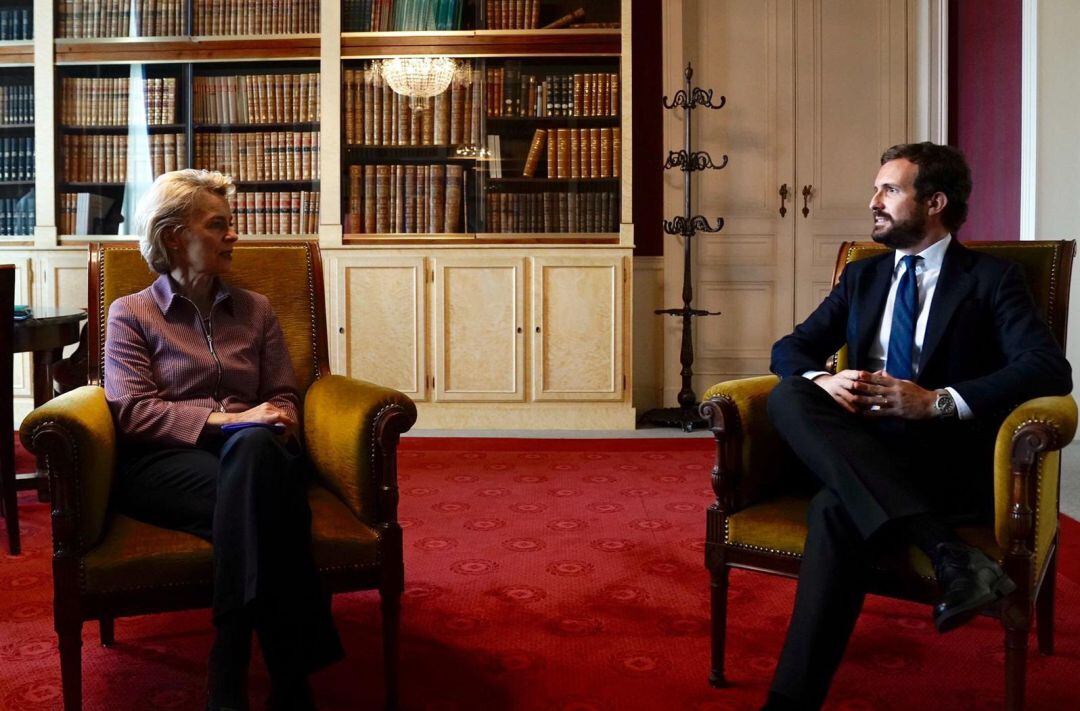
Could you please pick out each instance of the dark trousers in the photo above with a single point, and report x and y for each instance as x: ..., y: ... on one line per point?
x: 246, y: 496
x: 872, y: 473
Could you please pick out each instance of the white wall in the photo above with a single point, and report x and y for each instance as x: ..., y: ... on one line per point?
x: 1051, y: 154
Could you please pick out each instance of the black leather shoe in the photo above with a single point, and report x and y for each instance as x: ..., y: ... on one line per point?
x: 970, y: 581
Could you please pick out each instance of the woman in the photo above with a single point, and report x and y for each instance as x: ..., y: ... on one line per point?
x: 185, y: 358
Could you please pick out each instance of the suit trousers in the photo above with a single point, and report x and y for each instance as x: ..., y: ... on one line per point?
x: 872, y: 472
x: 247, y: 496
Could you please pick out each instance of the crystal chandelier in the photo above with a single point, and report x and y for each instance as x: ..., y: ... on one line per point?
x: 419, y: 77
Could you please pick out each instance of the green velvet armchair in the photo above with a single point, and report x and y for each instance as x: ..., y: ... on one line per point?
x: 107, y: 565
x: 758, y: 521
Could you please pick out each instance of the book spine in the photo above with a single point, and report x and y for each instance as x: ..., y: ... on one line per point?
x: 532, y: 160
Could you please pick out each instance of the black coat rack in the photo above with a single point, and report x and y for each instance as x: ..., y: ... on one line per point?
x: 687, y: 225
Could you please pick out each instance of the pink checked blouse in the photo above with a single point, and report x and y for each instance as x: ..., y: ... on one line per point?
x: 167, y: 369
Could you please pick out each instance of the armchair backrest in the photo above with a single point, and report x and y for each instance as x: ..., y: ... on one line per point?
x: 1047, y: 266
x: 287, y: 273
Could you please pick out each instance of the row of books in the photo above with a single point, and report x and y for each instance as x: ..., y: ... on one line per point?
x: 256, y: 98
x: 551, y: 212
x: 401, y: 15
x: 260, y: 155
x: 16, y: 104
x: 113, y: 18
x: 575, y: 152
x: 84, y: 213
x: 168, y: 152
x: 256, y: 17
x: 511, y: 93
x: 17, y: 158
x: 17, y: 215
x: 512, y: 14
x: 103, y: 101
x: 377, y: 116
x: 94, y: 158
x: 16, y: 23
x: 405, y: 199
x: 276, y: 213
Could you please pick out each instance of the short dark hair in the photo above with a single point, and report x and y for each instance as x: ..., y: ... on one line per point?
x: 942, y: 169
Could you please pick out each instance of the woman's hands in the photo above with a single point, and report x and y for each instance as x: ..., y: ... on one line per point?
x: 878, y: 394
x: 264, y: 413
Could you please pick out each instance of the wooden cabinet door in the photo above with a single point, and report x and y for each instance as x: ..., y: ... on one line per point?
x: 378, y: 331
x: 745, y: 52
x: 577, y: 328
x: 61, y: 280
x: 479, y: 328
x: 852, y: 104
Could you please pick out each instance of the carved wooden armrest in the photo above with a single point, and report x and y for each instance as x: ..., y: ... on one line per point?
x: 746, y: 445
x: 1026, y: 476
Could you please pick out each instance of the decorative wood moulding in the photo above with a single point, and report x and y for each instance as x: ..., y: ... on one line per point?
x: 16, y: 52
x: 482, y: 238
x: 186, y: 49
x: 482, y: 43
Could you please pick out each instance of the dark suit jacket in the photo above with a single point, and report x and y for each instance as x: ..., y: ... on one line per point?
x: 984, y: 336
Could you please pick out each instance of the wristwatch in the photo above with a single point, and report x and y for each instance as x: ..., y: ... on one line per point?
x: 944, y: 405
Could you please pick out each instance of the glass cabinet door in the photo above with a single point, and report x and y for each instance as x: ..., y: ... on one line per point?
x: 260, y: 125
x: 120, y: 126
x: 512, y: 146
x: 17, y: 216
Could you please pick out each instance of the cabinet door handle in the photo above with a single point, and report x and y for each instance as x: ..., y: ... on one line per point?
x: 807, y: 191
x: 519, y: 329
x: 538, y: 329
x: 783, y: 198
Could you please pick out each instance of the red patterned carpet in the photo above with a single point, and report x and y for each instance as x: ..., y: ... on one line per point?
x: 547, y: 575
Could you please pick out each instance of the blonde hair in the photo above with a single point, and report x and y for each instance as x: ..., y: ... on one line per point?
x: 167, y: 206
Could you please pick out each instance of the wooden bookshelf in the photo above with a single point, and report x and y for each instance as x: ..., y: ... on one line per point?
x: 533, y: 288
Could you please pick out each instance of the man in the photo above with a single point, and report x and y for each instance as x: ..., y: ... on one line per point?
x: 942, y: 343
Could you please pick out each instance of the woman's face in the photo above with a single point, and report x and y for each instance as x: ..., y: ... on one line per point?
x: 204, y: 246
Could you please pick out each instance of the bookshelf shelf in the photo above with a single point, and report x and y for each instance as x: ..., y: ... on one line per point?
x: 125, y: 128
x: 16, y: 183
x: 16, y: 126
x: 552, y: 181
x: 16, y: 52
x: 482, y: 43
x: 272, y: 183
x: 274, y: 126
x: 127, y: 50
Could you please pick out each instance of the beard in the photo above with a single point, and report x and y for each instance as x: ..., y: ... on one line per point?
x: 900, y: 235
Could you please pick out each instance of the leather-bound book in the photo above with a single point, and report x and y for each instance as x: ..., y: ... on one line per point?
x: 455, y: 184
x: 369, y: 107
x: 566, y: 19
x: 370, y: 205
x: 605, y: 152
x: 616, y: 151
x: 442, y: 118
x: 423, y: 174
x: 564, y: 160
x: 408, y: 222
x: 437, y: 198
x: 536, y: 148
x: 382, y: 199
x: 553, y: 153
x: 575, y: 153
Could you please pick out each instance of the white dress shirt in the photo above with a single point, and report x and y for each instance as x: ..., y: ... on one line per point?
x: 927, y: 271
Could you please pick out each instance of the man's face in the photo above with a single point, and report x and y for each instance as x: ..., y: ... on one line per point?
x: 899, y: 218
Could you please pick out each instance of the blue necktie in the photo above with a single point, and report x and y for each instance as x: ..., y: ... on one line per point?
x: 899, y: 362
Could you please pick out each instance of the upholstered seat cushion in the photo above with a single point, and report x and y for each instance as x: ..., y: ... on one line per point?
x: 134, y: 555
x: 779, y: 526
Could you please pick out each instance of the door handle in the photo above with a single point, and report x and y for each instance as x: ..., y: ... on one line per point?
x: 807, y: 191
x: 783, y: 198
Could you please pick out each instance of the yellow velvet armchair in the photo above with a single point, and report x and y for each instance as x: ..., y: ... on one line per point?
x: 758, y: 521
x: 107, y: 565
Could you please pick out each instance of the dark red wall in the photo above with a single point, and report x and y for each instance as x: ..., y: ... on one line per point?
x: 648, y: 116
x: 984, y: 111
